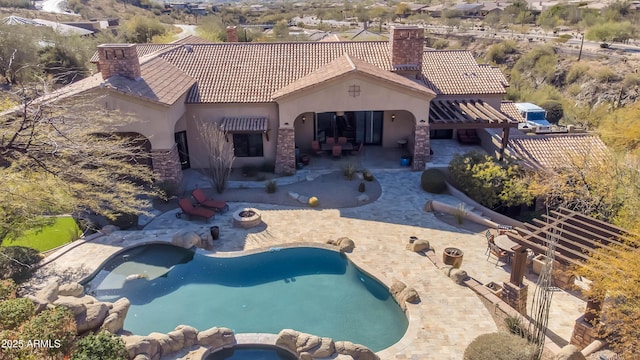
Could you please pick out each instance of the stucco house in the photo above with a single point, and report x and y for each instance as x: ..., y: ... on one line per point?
x: 272, y: 98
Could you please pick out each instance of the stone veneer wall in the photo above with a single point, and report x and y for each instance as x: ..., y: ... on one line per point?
x: 421, y: 147
x: 515, y: 296
x: 583, y: 333
x: 166, y: 164
x: 285, y: 152
x: 118, y: 59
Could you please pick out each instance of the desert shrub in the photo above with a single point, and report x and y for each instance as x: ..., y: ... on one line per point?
x: 17, y: 262
x: 554, y: 110
x: 631, y: 80
x: 433, y: 181
x: 168, y: 189
x: 514, y: 323
x: 497, y: 53
x: 56, y: 325
x: 440, y: 44
x: 605, y: 75
x: 125, y: 221
x: 349, y: 170
x: 15, y: 312
x: 101, y: 346
x: 271, y: 186
x: 367, y: 175
x: 577, y: 72
x: 7, y: 289
x: 499, y: 346
x: 492, y: 184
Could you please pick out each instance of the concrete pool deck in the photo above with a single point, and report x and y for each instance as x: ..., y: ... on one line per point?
x: 446, y: 320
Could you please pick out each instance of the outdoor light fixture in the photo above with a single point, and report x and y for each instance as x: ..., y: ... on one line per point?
x: 304, y: 118
x: 286, y: 123
x: 393, y: 117
x: 422, y: 121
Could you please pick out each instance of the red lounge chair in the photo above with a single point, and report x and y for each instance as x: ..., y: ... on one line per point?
x: 201, y: 198
x: 188, y: 208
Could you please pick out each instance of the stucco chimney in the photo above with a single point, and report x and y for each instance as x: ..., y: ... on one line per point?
x: 118, y: 59
x: 232, y: 34
x: 407, y: 47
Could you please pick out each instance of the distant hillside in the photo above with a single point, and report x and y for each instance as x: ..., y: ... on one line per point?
x: 88, y: 9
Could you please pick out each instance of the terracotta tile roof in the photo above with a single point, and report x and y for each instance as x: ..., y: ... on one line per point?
x: 245, y: 124
x: 555, y: 151
x: 447, y: 114
x: 457, y: 72
x: 161, y: 82
x: 509, y: 109
x: 191, y: 39
x: 251, y: 72
x: 342, y: 66
x: 142, y: 50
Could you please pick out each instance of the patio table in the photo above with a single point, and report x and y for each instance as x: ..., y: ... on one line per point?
x: 329, y: 147
x: 504, y: 243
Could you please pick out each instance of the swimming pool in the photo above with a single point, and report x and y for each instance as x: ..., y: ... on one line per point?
x: 253, y: 352
x: 312, y: 290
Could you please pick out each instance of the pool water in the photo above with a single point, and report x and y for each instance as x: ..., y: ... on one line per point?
x: 311, y: 290
x: 251, y: 353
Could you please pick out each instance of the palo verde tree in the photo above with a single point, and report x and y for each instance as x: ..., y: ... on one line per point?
x: 63, y: 155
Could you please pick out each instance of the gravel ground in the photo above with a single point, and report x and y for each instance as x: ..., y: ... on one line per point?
x: 332, y: 190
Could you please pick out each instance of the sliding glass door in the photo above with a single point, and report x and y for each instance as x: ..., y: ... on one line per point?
x: 356, y: 126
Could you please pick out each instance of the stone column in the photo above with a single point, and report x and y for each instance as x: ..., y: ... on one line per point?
x: 421, y: 147
x: 515, y: 296
x: 285, y: 152
x: 583, y: 333
x: 166, y: 164
x: 562, y: 276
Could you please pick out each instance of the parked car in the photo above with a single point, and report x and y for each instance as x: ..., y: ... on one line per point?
x: 534, y: 116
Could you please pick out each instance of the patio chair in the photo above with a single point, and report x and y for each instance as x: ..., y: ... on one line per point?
x: 202, y: 200
x: 489, y: 237
x: 315, y: 146
x: 188, y: 208
x: 331, y: 141
x: 337, y: 151
x: 342, y: 140
x: 499, y: 254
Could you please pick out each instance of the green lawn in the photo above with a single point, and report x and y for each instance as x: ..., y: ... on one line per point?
x: 49, y: 237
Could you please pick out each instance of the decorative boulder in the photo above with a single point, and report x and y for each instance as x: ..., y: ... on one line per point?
x: 458, y: 275
x: 345, y: 244
x: 326, y: 348
x: 49, y: 293
x: 114, y: 322
x: 164, y: 343
x: 190, y: 334
x: 76, y: 305
x: 419, y: 246
x: 305, y: 356
x: 306, y: 342
x: 357, y: 351
x: 446, y: 270
x: 288, y: 339
x: 216, y: 337
x: 72, y: 289
x: 186, y: 240
x: 142, y: 357
x: 569, y: 352
x: 396, y: 288
x: 92, y: 318
x: 410, y: 295
x: 39, y: 304
x: 176, y: 342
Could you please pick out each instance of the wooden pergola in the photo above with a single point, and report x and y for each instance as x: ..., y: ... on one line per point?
x: 577, y: 235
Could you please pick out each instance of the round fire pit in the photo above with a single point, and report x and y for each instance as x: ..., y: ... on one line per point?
x: 246, y: 218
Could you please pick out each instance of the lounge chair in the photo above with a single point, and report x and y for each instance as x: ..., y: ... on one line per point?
x: 188, y: 208
x: 499, y: 254
x: 201, y: 199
